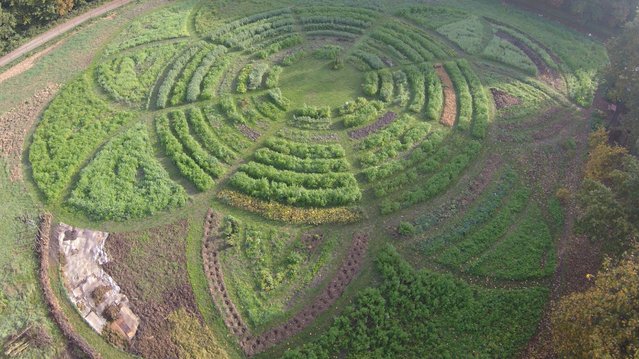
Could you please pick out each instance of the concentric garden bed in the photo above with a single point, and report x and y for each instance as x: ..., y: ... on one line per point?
x: 337, y: 168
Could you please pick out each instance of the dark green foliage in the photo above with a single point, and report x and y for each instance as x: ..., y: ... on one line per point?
x: 172, y: 75
x: 74, y: 125
x: 174, y: 149
x: 229, y: 109
x: 425, y: 314
x: 208, y: 139
x: 125, y: 181
x: 203, y: 70
x: 480, y: 101
x: 360, y: 112
x: 464, y: 98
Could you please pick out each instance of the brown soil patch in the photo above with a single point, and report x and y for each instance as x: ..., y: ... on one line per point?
x: 250, y: 344
x: 381, y: 122
x: 450, y: 97
x: 46, y: 251
x: 27, y: 63
x: 248, y: 132
x: 544, y: 72
x: 16, y: 123
x: 504, y: 99
x: 150, y: 267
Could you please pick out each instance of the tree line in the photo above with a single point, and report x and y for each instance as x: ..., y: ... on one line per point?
x: 22, y: 18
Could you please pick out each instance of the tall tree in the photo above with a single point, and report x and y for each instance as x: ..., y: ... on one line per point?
x: 603, y: 321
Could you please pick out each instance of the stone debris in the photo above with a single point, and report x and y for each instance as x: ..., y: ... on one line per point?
x: 89, y: 287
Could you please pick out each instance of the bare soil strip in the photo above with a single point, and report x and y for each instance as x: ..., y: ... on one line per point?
x: 450, y: 97
x: 545, y: 73
x: 15, y: 124
x: 504, y: 99
x: 250, y: 344
x: 381, y: 122
x: 44, y: 251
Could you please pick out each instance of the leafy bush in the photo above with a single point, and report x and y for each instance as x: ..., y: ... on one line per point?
x: 421, y: 303
x: 480, y: 100
x: 307, y: 165
x: 208, y: 139
x: 280, y: 212
x: 185, y: 164
x: 203, y: 70
x: 125, y: 181
x: 278, y: 99
x: 359, y: 112
x: 371, y: 83
x: 172, y: 75
x: 273, y: 77
x: 74, y: 124
x: 229, y: 109
x: 386, y: 85
x: 208, y: 163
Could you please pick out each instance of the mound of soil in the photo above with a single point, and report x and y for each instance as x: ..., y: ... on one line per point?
x: 150, y: 267
x: 504, y: 99
x: 545, y: 73
x: 381, y: 122
x: 450, y: 97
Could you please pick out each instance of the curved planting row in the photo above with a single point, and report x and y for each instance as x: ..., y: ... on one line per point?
x: 381, y: 122
x: 390, y: 143
x: 328, y: 21
x: 213, y: 271
x: 250, y: 343
x: 298, y: 174
x: 187, y: 153
x: 347, y: 271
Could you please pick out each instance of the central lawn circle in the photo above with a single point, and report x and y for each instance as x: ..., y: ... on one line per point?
x: 314, y: 83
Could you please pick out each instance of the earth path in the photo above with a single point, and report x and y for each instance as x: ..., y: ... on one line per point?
x: 59, y: 30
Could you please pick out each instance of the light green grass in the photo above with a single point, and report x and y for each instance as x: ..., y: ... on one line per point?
x: 314, y: 83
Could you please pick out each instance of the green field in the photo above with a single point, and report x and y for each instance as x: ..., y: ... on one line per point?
x: 357, y: 159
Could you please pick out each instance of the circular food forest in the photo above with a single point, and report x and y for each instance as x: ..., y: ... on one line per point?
x: 323, y: 180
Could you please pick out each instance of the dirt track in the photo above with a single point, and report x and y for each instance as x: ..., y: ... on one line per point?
x: 59, y: 30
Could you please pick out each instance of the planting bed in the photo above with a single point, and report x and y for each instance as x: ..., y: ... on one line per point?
x: 287, y: 179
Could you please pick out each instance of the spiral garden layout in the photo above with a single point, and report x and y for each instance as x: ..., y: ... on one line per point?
x: 329, y: 180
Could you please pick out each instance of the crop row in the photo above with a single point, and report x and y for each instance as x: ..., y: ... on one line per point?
x: 245, y: 37
x: 420, y: 40
x: 480, y: 100
x: 275, y: 95
x: 247, y: 21
x: 365, y: 16
x: 202, y: 71
x: 437, y: 183
x: 402, y: 93
x: 179, y: 92
x: 305, y: 150
x: 413, y: 170
x: 307, y: 180
x: 396, y: 138
x: 296, y: 164
x: 172, y: 75
x: 381, y: 122
x: 421, y: 154
x: 294, y: 194
x: 525, y: 253
x: 464, y: 99
x: 280, y: 212
x: 476, y: 217
x: 267, y: 108
x: 368, y: 59
x: 127, y: 78
x: 228, y: 135
x: 72, y: 126
x: 209, y: 140
x: 503, y: 51
x: 278, y: 44
x: 229, y: 109
x: 479, y: 240
x: 187, y: 166
x: 331, y: 33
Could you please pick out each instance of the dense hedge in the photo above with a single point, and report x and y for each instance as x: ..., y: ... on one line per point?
x: 208, y: 139
x: 288, y: 162
x: 480, y: 100
x: 125, y: 181
x: 424, y: 314
x: 72, y: 127
x: 185, y: 164
x: 305, y: 150
x: 172, y: 75
x: 203, y: 70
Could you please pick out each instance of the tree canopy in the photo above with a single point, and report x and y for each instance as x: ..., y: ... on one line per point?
x: 603, y: 321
